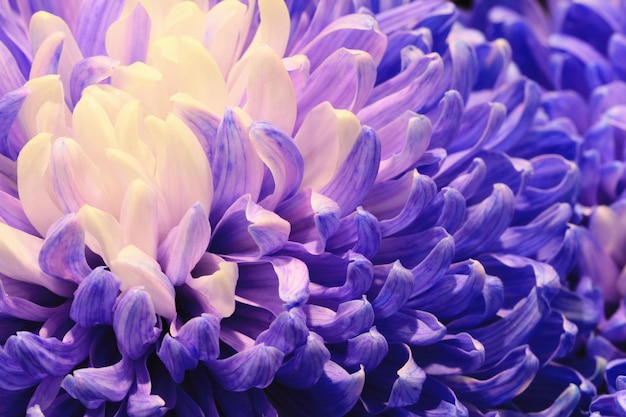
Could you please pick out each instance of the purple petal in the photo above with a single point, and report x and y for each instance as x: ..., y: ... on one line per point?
x: 287, y: 332
x: 457, y: 354
x: 22, y: 308
x: 355, y: 31
x: 63, y: 252
x: 10, y: 140
x: 397, y: 43
x: 313, y: 218
x: 201, y: 336
x: 12, y: 213
x: 48, y: 356
x: 358, y: 232
x: 494, y: 59
x: 281, y: 155
x: 414, y: 96
x: 10, y: 75
x: 554, y: 338
x: 499, y: 384
x: 414, y: 327
x: 357, y: 174
x: 350, y: 319
x: 418, y: 135
x: 306, y: 366
x: 94, y: 386
x: 395, y: 291
x: 352, y: 75
x: 176, y: 357
x: 89, y: 71
x: 237, y: 169
x: 459, y: 287
x: 448, y: 120
x: 254, y: 368
x: 421, y: 195
x: 95, y: 18
x: 95, y: 298
x: 185, y: 244
x: 353, y: 281
x: 293, y: 280
x: 333, y: 395
x: 453, y: 211
x: 485, y: 222
x: 45, y: 394
x: 247, y: 228
x: 14, y: 377
x: 518, y: 326
x: 367, y: 350
x: 396, y: 383
x: 133, y: 321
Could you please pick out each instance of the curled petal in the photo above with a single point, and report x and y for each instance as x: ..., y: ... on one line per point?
x: 306, y: 366
x: 94, y: 386
x: 350, y: 319
x: 413, y: 327
x: 87, y: 72
x: 254, y: 368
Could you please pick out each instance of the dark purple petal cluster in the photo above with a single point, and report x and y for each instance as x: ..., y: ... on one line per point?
x: 455, y: 264
x: 574, y: 47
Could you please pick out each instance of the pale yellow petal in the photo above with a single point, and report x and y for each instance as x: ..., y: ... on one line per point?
x: 218, y: 288
x: 139, y: 218
x: 34, y: 185
x: 44, y: 109
x: 103, y: 232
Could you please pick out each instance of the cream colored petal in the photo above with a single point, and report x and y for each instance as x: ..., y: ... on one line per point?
x: 127, y: 131
x: 44, y: 109
x: 274, y: 27
x: 326, y: 128
x: 103, y: 234
x: 91, y: 126
x: 134, y: 268
x: 218, y: 288
x: 34, y: 185
x: 44, y: 24
x: 139, y: 218
x: 145, y: 83
x: 76, y: 180
x: 19, y: 254
x: 189, y: 68
x: 182, y: 169
x: 270, y: 94
x: 45, y: 54
x: 184, y: 19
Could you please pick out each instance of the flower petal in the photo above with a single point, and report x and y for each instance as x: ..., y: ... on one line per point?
x: 306, y: 366
x: 254, y: 368
x: 133, y: 321
x: 95, y: 298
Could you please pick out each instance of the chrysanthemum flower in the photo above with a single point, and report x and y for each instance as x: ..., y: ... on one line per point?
x: 279, y: 209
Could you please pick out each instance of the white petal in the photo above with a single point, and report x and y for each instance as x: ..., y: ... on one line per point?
x: 270, y: 94
x: 274, y: 27
x: 139, y: 219
x: 222, y: 26
x: 19, y: 259
x: 182, y: 169
x: 44, y: 109
x: 34, y: 185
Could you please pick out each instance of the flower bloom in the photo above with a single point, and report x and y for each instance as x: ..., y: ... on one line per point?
x: 321, y: 208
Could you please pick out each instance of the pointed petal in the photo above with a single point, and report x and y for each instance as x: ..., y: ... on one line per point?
x: 237, y: 169
x: 357, y: 174
x: 395, y: 291
x: 46, y: 59
x: 367, y: 349
x: 282, y: 157
x: 350, y: 319
x: 89, y: 71
x: 11, y: 139
x: 414, y: 327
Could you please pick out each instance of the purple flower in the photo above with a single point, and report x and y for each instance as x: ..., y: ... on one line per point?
x: 302, y: 208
